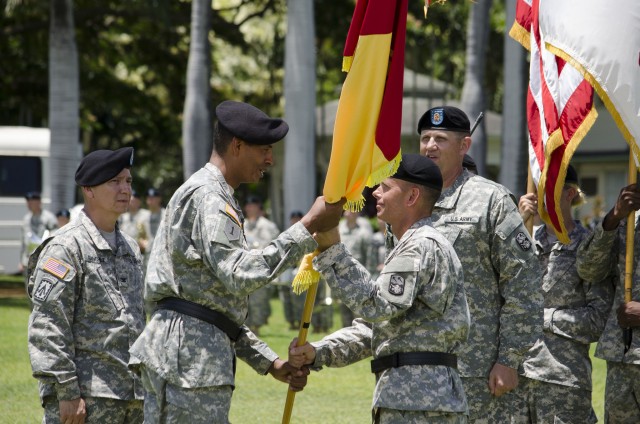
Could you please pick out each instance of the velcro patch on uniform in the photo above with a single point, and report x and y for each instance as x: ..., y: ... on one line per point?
x: 523, y: 241
x: 232, y: 213
x: 396, y: 285
x: 56, y: 268
x: 232, y: 230
x: 44, y: 288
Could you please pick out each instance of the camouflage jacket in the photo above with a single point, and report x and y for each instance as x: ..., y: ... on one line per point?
x: 602, y: 254
x: 87, y: 312
x: 416, y: 304
x: 575, y: 311
x: 200, y: 254
x: 480, y: 219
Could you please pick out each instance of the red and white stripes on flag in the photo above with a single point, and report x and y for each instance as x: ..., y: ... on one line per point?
x: 560, y: 111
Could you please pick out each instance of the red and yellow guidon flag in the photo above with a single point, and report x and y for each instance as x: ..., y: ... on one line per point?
x: 366, y: 136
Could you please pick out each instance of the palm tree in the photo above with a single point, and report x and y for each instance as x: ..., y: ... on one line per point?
x: 300, y: 103
x: 196, y: 124
x: 64, y: 93
x: 473, y: 99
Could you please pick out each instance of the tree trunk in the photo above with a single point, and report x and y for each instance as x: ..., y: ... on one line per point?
x: 64, y: 92
x: 513, y: 160
x: 300, y: 103
x: 196, y: 125
x: 473, y: 99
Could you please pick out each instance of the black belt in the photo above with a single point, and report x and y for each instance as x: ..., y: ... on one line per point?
x: 202, y: 313
x: 400, y: 359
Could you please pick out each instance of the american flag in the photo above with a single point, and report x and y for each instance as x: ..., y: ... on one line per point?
x: 560, y: 111
x: 56, y: 268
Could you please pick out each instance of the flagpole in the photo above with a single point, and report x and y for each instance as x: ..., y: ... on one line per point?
x: 305, y: 322
x: 531, y: 188
x: 628, y: 269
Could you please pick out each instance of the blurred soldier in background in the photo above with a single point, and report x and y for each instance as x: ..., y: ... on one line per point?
x: 355, y: 233
x: 259, y: 232
x: 150, y: 222
x: 37, y: 225
x: 131, y: 221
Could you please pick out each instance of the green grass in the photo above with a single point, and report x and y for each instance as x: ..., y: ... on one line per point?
x: 331, y: 396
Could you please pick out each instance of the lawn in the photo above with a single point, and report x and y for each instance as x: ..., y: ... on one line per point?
x: 331, y: 396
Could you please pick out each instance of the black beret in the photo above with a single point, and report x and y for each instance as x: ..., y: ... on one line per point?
x: 63, y: 212
x: 572, y: 176
x: 134, y: 193
x: 444, y: 118
x: 153, y: 192
x: 296, y: 214
x: 419, y: 169
x: 100, y: 166
x: 250, y: 124
x: 31, y: 195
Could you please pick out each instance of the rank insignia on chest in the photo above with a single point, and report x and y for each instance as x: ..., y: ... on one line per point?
x: 56, y: 268
x: 523, y: 241
x: 396, y: 285
x: 44, y: 288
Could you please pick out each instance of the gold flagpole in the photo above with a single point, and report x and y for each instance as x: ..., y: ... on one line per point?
x: 628, y: 269
x: 531, y: 188
x: 305, y: 322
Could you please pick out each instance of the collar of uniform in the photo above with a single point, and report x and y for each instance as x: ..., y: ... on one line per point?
x: 449, y: 196
x: 575, y: 237
x: 94, y: 233
x: 226, y: 188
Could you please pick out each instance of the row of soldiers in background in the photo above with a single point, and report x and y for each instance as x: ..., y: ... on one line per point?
x: 142, y: 224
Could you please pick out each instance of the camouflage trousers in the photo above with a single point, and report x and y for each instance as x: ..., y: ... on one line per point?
x: 622, y: 394
x: 485, y: 408
x: 395, y: 416
x: 259, y: 307
x: 542, y: 402
x: 165, y: 403
x: 99, y: 411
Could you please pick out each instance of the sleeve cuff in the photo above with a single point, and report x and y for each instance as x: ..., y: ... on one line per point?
x: 263, y: 364
x: 323, y: 353
x: 511, y: 360
x: 329, y: 257
x: 68, y: 391
x: 301, y: 236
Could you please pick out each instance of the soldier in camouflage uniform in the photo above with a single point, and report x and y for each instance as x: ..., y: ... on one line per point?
x: 601, y: 253
x: 481, y: 220
x: 415, y: 312
x: 87, y: 304
x: 556, y: 387
x: 355, y: 234
x: 201, y: 271
x: 259, y: 232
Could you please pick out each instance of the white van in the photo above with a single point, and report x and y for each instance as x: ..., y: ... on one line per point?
x: 24, y: 166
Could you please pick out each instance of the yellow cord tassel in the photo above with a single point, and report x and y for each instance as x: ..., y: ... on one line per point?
x: 306, y: 275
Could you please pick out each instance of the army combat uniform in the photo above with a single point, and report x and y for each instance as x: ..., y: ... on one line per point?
x: 480, y: 219
x: 601, y: 253
x: 416, y: 305
x: 200, y: 255
x: 557, y: 370
x: 87, y: 312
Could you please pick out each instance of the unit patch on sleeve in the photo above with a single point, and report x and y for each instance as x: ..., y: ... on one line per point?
x: 56, y: 268
x: 232, y: 230
x: 523, y: 241
x: 396, y: 285
x: 44, y: 288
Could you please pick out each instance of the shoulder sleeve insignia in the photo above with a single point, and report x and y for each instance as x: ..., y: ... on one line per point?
x: 396, y: 285
x: 523, y: 241
x: 232, y: 230
x: 56, y: 268
x: 44, y: 289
